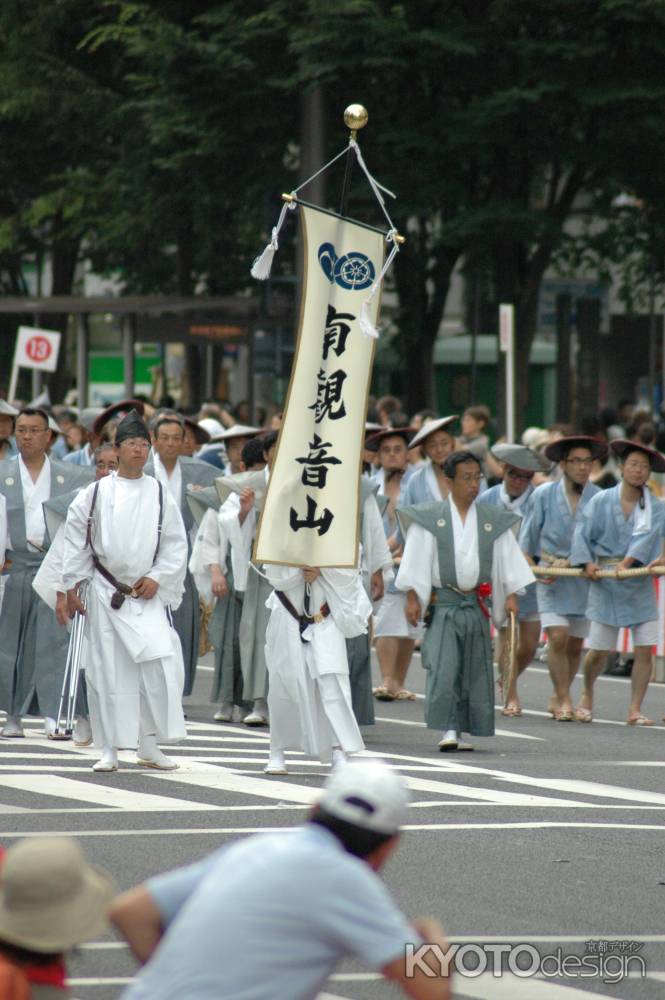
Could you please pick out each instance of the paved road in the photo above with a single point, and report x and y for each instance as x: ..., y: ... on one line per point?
x: 549, y: 835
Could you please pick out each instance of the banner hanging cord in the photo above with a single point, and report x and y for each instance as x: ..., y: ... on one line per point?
x: 263, y: 263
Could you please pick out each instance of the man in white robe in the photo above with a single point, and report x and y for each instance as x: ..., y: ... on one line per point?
x: 132, y: 549
x: 312, y: 612
x: 452, y: 549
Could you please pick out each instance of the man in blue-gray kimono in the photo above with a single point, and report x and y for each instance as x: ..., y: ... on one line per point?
x: 454, y: 550
x: 33, y: 646
x: 519, y: 465
x: 621, y: 528
x: 546, y: 537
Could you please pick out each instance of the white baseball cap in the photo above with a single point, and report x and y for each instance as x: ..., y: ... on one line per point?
x: 368, y: 794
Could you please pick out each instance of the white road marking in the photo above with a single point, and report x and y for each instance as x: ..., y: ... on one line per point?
x: 487, y: 987
x: 222, y: 779
x: 222, y: 831
x: 55, y: 786
x: 498, y: 732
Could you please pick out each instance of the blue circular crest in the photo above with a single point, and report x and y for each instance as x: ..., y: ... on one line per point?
x: 353, y: 271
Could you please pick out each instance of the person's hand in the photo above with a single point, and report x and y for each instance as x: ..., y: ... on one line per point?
x: 512, y: 605
x: 146, y: 588
x: 220, y: 587
x: 377, y: 586
x: 412, y: 608
x: 626, y: 563
x: 591, y: 570
x: 74, y: 602
x: 61, y: 608
x: 246, y: 500
x: 310, y: 573
x: 194, y: 487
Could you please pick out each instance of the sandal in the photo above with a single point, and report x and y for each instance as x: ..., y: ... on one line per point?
x: 383, y: 694
x: 404, y: 695
x: 583, y: 714
x: 563, y: 715
x: 640, y: 720
x: 511, y: 711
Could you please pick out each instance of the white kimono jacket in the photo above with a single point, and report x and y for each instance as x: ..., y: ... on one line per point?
x: 135, y: 670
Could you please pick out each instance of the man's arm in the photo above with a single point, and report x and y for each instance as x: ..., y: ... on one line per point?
x: 409, y: 974
x: 135, y: 915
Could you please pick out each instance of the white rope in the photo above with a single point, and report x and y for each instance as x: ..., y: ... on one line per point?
x: 263, y: 263
x: 375, y: 186
x: 365, y: 320
x: 320, y: 170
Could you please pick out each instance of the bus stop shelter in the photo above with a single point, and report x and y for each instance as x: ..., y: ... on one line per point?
x: 207, y: 322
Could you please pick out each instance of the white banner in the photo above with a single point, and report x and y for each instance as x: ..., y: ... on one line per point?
x: 37, y: 348
x: 310, y: 517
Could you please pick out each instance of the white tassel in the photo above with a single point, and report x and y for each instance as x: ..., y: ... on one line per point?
x: 365, y: 322
x: 263, y: 263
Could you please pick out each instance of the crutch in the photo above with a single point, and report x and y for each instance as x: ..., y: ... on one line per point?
x: 70, y: 682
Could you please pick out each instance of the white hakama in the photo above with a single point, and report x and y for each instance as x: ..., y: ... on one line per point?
x: 134, y: 668
x: 309, y: 696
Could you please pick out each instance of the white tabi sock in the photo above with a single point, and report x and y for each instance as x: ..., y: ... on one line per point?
x: 108, y: 761
x: 450, y: 734
x: 149, y: 753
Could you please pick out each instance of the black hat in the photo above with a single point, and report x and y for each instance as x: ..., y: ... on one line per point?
x: 557, y: 450
x: 131, y: 426
x: 373, y: 443
x: 200, y: 433
x: 622, y: 447
x: 117, y: 410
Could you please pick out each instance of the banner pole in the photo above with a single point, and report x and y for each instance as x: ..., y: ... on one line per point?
x: 355, y: 118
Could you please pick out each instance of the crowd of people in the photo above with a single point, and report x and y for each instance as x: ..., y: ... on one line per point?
x: 145, y: 528
x: 139, y: 523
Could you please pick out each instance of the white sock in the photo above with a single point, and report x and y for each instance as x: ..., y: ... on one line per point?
x: 108, y: 759
x: 450, y: 734
x: 260, y: 706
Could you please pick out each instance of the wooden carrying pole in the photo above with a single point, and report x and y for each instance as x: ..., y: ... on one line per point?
x: 602, y: 574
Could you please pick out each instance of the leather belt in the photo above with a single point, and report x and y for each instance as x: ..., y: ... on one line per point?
x: 122, y: 590
x: 304, y: 621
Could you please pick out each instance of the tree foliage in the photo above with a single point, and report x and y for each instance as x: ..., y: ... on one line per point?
x: 161, y: 128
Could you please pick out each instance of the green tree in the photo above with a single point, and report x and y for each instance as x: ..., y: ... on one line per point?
x: 492, y: 119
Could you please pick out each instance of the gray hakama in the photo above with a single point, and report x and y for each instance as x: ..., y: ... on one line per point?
x: 253, y: 625
x: 33, y: 646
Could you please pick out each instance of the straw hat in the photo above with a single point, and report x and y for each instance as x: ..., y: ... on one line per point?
x: 373, y: 443
x: 622, y: 447
x: 520, y: 457
x: 440, y: 424
x: 556, y: 450
x: 50, y: 897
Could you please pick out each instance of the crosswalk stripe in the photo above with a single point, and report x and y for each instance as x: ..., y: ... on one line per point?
x: 498, y: 732
x: 55, y: 786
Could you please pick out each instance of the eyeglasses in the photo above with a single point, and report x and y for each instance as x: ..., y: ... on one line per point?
x: 517, y: 474
x: 580, y: 463
x: 29, y: 431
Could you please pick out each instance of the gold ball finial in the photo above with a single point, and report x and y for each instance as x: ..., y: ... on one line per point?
x: 355, y: 117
